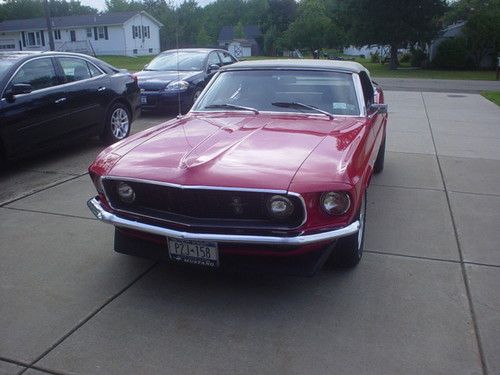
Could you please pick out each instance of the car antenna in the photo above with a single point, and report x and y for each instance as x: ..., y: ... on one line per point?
x: 179, y: 114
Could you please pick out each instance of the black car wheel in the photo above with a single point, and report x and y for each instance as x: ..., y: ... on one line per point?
x: 188, y: 105
x: 379, y: 162
x: 117, y: 126
x: 349, y: 250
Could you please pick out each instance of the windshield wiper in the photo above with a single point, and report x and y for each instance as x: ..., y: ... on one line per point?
x: 297, y: 105
x: 233, y: 106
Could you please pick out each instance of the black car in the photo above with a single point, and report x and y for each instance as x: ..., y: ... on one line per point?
x: 50, y: 97
x: 176, y: 77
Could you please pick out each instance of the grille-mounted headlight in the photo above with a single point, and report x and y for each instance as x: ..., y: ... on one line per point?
x: 335, y: 202
x: 125, y: 192
x: 280, y: 207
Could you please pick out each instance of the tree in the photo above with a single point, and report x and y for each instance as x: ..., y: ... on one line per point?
x: 312, y: 28
x: 239, y: 32
x: 397, y: 23
x: 482, y: 33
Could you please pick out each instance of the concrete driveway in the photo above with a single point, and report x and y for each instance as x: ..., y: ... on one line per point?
x: 424, y: 300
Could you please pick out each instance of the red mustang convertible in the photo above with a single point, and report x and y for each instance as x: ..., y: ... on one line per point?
x: 268, y: 171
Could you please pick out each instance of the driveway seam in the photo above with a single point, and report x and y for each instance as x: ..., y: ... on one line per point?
x: 468, y: 292
x: 46, y: 187
x: 400, y: 255
x: 85, y: 320
x: 48, y: 213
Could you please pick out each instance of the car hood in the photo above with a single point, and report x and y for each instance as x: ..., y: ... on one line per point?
x: 159, y: 79
x: 242, y: 151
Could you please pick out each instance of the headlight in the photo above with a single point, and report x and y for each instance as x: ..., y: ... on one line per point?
x: 177, y: 86
x: 279, y: 207
x: 335, y: 202
x: 125, y: 192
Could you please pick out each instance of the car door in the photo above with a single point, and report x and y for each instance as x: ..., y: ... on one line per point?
x: 375, y: 118
x: 226, y: 58
x: 213, y: 59
x: 87, y: 92
x: 33, y: 119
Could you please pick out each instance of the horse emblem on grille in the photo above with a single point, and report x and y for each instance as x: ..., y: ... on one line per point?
x: 237, y: 205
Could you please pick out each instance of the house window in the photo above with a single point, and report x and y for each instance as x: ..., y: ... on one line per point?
x: 135, y: 51
x: 136, y: 31
x: 145, y: 32
x: 100, y: 32
x: 89, y: 32
x: 7, y: 46
x: 150, y: 50
x: 33, y: 39
x: 149, y: 34
x: 57, y: 34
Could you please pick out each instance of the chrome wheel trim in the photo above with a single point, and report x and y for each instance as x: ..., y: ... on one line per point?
x: 119, y: 123
x: 361, y: 230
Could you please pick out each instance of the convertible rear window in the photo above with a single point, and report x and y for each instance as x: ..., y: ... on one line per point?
x: 281, y: 90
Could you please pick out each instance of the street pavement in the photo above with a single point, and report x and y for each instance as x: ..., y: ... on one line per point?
x: 424, y: 299
x: 438, y: 85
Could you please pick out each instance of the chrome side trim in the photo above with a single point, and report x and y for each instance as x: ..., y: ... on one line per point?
x: 107, y: 217
x: 359, y: 94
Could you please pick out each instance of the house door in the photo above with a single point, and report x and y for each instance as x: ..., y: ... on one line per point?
x: 73, y: 35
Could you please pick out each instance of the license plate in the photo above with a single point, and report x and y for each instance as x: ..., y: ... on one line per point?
x: 144, y: 100
x: 194, y: 252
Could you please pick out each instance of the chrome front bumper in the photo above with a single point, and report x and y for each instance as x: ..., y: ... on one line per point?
x: 108, y: 217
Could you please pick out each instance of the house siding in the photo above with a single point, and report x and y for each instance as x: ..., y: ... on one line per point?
x: 142, y: 45
x: 119, y: 41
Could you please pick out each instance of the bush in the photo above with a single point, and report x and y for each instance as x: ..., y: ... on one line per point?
x: 417, y: 58
x: 375, y: 57
x: 405, y: 58
x: 453, y: 54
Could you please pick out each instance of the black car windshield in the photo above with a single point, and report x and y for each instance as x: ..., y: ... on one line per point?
x: 5, y: 64
x: 306, y: 91
x: 182, y: 60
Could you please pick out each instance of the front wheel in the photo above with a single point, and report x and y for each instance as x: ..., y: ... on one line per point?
x: 188, y: 105
x: 117, y: 124
x: 349, y: 250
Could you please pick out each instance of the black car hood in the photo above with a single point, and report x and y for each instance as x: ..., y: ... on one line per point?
x: 159, y: 79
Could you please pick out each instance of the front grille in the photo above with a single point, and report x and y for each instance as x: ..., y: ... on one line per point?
x: 203, y: 207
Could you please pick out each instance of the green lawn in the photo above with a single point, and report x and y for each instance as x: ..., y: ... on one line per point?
x: 494, y: 96
x: 133, y: 64
x: 377, y: 70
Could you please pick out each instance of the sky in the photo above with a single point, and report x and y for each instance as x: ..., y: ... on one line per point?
x: 101, y: 5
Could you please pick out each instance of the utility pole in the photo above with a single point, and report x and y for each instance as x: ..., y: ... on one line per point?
x: 46, y: 10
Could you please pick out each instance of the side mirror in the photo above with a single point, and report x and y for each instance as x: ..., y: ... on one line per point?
x: 380, y: 108
x: 17, y: 89
x: 212, y: 68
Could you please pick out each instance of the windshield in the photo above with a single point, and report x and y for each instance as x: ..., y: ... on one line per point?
x: 5, y: 65
x: 191, y: 61
x: 304, y: 91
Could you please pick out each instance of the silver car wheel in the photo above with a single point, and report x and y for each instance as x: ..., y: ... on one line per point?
x: 119, y: 123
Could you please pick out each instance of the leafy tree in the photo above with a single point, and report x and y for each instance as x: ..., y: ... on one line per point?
x: 123, y: 5
x: 312, y: 28
x: 482, y: 33
x: 239, y: 33
x: 397, y: 23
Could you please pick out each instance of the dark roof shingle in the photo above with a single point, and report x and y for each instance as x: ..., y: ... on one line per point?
x: 117, y: 18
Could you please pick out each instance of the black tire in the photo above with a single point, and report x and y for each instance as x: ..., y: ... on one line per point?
x: 187, y: 106
x: 379, y: 162
x: 349, y: 250
x: 117, y: 124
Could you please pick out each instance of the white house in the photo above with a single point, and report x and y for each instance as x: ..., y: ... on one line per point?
x: 122, y: 33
